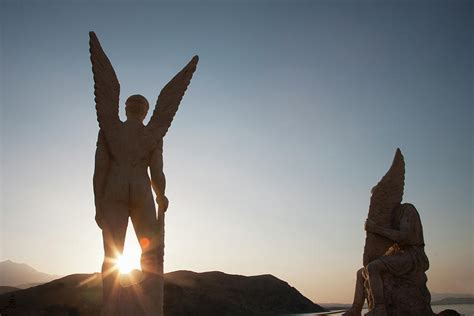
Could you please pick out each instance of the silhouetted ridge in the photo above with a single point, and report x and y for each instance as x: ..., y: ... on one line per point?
x: 186, y: 293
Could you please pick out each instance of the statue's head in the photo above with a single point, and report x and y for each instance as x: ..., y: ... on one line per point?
x: 136, y: 107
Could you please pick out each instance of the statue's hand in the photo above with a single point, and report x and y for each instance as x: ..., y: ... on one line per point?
x: 162, y: 203
x: 370, y: 226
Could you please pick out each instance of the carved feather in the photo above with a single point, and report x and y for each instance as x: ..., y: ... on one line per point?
x: 169, y: 100
x: 106, y: 87
x: 386, y: 196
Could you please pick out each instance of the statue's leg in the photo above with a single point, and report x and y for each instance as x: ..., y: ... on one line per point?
x: 113, y: 233
x: 375, y: 269
x: 397, y: 265
x: 145, y: 224
x: 359, y: 296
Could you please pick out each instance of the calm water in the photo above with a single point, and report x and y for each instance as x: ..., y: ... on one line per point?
x: 463, y: 309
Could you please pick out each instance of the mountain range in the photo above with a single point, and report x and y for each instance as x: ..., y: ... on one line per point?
x: 21, y: 275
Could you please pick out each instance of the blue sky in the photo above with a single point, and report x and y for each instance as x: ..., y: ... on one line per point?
x: 294, y: 113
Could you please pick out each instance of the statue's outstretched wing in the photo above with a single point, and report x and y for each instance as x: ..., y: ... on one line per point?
x: 106, y: 88
x: 169, y: 99
x: 386, y: 196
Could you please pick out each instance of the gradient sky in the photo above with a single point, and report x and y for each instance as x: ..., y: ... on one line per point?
x: 294, y: 114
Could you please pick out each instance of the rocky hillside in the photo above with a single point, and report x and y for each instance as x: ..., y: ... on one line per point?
x: 186, y: 293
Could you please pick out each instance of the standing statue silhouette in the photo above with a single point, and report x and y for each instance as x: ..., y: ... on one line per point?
x: 122, y: 187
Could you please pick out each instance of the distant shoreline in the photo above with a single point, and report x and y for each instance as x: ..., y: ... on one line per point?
x: 444, y: 301
x: 454, y: 301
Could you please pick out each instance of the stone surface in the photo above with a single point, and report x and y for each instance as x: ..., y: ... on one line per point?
x: 393, y: 279
x: 125, y: 152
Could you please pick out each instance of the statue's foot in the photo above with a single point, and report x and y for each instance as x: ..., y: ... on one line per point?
x: 378, y: 310
x: 353, y: 311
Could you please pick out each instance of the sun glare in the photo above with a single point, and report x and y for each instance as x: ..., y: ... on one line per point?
x: 124, y: 264
x: 130, y: 259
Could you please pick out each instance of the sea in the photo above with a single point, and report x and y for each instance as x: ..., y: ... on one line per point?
x: 463, y: 309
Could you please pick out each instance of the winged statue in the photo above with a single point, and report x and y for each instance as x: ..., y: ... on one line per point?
x: 122, y: 185
x: 393, y: 278
x: 107, y: 93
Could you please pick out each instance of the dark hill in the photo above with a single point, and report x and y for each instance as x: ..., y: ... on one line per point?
x: 186, y: 293
x: 7, y: 289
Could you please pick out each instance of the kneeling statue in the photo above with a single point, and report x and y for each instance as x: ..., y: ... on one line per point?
x: 393, y: 278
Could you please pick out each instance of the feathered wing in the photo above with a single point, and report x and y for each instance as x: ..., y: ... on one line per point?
x: 386, y: 196
x: 169, y: 99
x: 388, y: 193
x: 106, y: 88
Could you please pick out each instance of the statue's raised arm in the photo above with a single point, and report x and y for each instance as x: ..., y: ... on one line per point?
x: 169, y: 100
x: 106, y: 88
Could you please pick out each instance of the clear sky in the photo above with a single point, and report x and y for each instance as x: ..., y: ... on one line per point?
x: 294, y: 114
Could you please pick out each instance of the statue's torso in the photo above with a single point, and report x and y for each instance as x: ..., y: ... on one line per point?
x: 407, y: 217
x: 130, y: 155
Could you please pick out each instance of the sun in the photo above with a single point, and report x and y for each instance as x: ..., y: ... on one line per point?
x: 125, y: 264
x: 130, y: 258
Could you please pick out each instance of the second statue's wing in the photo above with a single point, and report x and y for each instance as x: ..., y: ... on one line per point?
x: 106, y: 89
x: 386, y: 196
x: 388, y: 193
x: 169, y: 99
